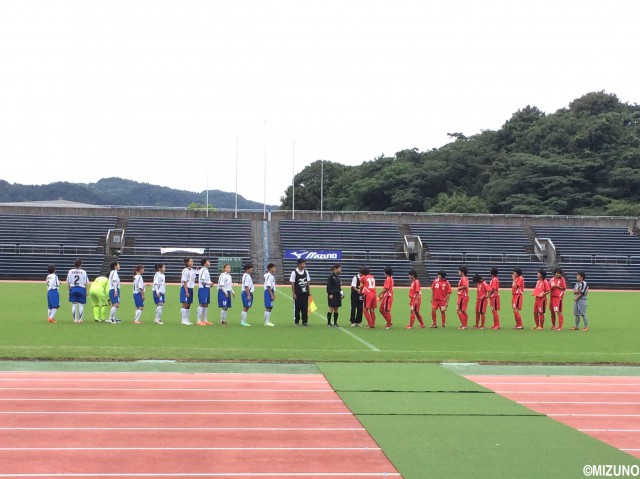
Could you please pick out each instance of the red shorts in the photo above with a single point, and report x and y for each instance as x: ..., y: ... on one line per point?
x: 494, y: 302
x: 540, y: 305
x: 462, y: 303
x: 385, y: 303
x: 556, y: 304
x: 516, y: 302
x: 440, y: 304
x: 415, y: 303
x: 370, y: 300
x: 481, y: 305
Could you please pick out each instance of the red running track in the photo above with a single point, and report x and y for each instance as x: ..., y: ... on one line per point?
x: 607, y: 408
x: 181, y: 425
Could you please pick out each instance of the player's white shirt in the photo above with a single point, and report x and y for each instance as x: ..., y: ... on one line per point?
x: 159, y: 284
x: 114, y: 280
x: 247, y: 282
x: 355, y: 282
x: 52, y: 282
x: 77, y: 277
x: 138, y: 284
x: 225, y: 282
x: 269, y: 281
x: 292, y: 278
x: 189, y: 277
x: 204, y: 278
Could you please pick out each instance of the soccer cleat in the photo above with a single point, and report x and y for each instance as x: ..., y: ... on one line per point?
x: 223, y: 323
x: 387, y: 327
x: 244, y: 324
x: 585, y: 329
x: 186, y: 323
x: 408, y: 327
x: 201, y: 323
x: 336, y: 325
x: 462, y: 327
x: 533, y: 328
x: 353, y: 325
x: 481, y: 327
x: 51, y: 320
x: 159, y: 322
x: 208, y: 323
x: 269, y: 323
x: 575, y: 328
x: 553, y: 328
x: 558, y: 329
x: 137, y: 321
x: 422, y: 326
x: 476, y: 327
x: 433, y: 326
x: 329, y: 325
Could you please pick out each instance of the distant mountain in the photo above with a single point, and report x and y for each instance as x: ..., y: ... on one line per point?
x: 120, y: 192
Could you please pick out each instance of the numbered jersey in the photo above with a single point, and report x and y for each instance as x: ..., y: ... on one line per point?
x: 368, y: 284
x: 77, y: 278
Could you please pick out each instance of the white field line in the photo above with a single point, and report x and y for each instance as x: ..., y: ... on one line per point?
x: 172, y: 389
x: 354, y: 429
x: 344, y: 330
x: 50, y: 449
x: 179, y: 400
x: 214, y: 474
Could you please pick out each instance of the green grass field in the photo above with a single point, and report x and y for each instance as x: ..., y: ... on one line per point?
x: 613, y: 337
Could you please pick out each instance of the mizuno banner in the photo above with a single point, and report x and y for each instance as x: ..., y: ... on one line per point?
x: 312, y: 254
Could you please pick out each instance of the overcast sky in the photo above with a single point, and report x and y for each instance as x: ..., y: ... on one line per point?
x: 154, y: 91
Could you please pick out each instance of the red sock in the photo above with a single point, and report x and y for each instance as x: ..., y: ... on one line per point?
x: 444, y: 318
x: 367, y: 316
x: 433, y: 317
x: 465, y: 318
x: 536, y: 318
x: 518, y: 319
x: 542, y: 320
x: 373, y: 319
x: 387, y: 317
x: 553, y: 319
x: 496, y: 319
x: 560, y: 320
x: 482, y: 319
x: 419, y: 316
x: 477, y: 319
x: 461, y: 316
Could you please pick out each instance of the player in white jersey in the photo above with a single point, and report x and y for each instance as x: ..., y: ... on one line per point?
x: 247, y: 293
x: 138, y: 291
x: 225, y: 292
x: 188, y: 282
x: 53, y: 295
x: 159, y: 290
x: 78, y: 281
x: 269, y: 293
x: 204, y: 293
x: 114, y: 291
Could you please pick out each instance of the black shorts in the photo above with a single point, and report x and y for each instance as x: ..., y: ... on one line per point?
x: 336, y: 302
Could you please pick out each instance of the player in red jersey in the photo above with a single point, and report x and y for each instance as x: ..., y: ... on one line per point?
x: 370, y: 300
x: 415, y: 299
x: 517, y: 292
x: 558, y: 287
x: 440, y: 292
x: 463, y: 297
x: 482, y: 299
x: 540, y: 292
x: 494, y: 298
x: 386, y: 297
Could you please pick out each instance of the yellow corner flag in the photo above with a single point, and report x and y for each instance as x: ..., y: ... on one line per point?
x: 312, y: 304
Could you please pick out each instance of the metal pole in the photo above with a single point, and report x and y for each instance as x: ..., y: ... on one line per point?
x: 321, y: 186
x: 207, y: 214
x: 293, y: 182
x: 236, y: 208
x: 264, y: 212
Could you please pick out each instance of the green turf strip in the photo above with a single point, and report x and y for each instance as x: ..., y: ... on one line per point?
x: 394, y: 377
x: 526, y: 447
x: 154, y: 366
x: 541, y: 370
x: 432, y: 403
x: 460, y: 433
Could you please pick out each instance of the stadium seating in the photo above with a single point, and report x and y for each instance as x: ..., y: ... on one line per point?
x: 28, y: 243
x: 219, y: 238
x: 610, y: 257
x: 374, y: 244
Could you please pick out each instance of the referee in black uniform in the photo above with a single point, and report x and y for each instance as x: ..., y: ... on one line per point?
x: 334, y: 294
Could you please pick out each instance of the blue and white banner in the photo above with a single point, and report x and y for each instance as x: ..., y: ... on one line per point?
x: 312, y: 254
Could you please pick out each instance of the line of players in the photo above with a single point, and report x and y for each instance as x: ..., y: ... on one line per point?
x: 105, y: 291
x: 488, y: 296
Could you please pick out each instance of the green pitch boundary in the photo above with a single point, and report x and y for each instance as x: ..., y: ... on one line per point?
x: 470, y: 369
x: 431, y: 422
x: 159, y: 366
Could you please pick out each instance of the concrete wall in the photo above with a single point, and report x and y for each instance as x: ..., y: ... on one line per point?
x: 356, y: 216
